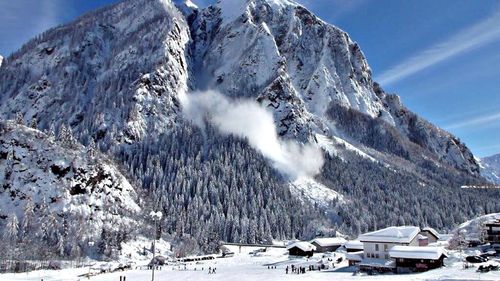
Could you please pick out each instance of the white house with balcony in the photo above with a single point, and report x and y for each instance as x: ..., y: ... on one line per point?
x: 377, y: 244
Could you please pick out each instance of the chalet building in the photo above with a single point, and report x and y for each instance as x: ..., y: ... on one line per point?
x: 330, y: 244
x: 376, y: 244
x: 301, y: 248
x: 353, y: 246
x: 493, y: 232
x: 431, y: 234
x: 354, y: 249
x: 417, y: 259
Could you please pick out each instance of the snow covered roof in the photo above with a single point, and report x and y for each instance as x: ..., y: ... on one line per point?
x: 432, y: 231
x: 329, y: 241
x: 413, y: 252
x: 393, y: 234
x: 304, y: 246
x: 354, y: 244
x: 355, y: 256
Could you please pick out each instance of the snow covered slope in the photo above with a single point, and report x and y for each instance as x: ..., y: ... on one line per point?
x: 113, y: 74
x: 47, y: 182
x: 490, y: 168
x: 1, y: 60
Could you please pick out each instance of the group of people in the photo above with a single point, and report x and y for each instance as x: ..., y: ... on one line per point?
x: 271, y: 267
x: 212, y: 270
x: 296, y: 270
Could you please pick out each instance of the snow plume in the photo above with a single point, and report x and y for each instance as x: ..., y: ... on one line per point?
x: 249, y: 120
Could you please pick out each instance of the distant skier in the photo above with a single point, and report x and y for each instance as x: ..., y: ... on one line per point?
x: 286, y: 270
x: 210, y: 270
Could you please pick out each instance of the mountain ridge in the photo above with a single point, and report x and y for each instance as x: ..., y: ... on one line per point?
x: 490, y: 168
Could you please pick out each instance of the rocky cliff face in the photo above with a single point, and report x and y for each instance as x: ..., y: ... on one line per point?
x: 306, y: 70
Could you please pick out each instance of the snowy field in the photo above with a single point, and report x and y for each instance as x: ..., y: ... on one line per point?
x: 244, y: 266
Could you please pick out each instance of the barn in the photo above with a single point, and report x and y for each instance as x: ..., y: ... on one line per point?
x: 328, y: 244
x: 301, y: 248
x: 417, y: 259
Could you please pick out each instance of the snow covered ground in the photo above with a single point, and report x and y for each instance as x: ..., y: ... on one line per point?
x: 245, y: 266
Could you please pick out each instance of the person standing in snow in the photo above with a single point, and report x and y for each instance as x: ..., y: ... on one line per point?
x: 286, y: 270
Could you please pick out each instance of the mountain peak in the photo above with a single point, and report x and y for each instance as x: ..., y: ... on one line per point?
x: 231, y: 9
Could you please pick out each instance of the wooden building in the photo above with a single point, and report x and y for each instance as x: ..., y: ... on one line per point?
x: 353, y: 246
x: 301, y: 248
x: 417, y: 259
x: 493, y: 232
x: 431, y: 234
x: 328, y: 244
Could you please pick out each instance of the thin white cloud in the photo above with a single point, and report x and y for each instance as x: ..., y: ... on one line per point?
x: 478, y: 35
x: 478, y: 121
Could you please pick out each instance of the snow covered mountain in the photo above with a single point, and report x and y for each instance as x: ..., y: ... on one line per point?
x: 1, y: 60
x: 314, y: 78
x: 490, y: 168
x: 129, y: 66
x: 114, y: 73
x: 118, y: 75
x: 61, y: 190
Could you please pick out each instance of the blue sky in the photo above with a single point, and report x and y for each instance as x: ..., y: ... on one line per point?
x: 441, y: 56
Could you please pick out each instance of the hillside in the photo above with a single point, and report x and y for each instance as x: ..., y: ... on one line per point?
x: 248, y: 120
x: 59, y: 192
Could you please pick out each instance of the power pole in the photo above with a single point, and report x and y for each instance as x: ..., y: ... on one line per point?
x: 155, y: 216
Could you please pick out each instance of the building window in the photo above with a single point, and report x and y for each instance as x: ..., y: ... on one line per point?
x: 386, y: 256
x: 377, y: 256
x: 385, y: 247
x: 376, y: 247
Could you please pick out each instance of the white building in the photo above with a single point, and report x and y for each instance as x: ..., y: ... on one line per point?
x: 376, y: 244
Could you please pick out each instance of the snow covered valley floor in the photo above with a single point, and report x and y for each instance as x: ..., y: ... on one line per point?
x: 245, y: 266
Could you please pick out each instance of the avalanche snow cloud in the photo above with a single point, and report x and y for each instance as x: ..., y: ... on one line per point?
x: 249, y: 120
